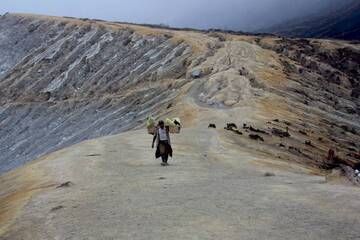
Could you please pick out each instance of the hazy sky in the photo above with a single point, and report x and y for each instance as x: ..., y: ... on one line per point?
x: 231, y: 14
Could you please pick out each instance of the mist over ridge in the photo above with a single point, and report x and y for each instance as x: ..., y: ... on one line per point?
x: 246, y: 15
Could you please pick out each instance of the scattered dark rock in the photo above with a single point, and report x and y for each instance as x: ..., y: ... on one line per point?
x: 212, y: 125
x: 57, y: 208
x: 282, y: 145
x: 303, y: 132
x: 196, y: 74
x: 320, y: 139
x: 295, y: 149
x: 93, y: 155
x: 46, y: 96
x: 287, y: 123
x: 268, y: 174
x: 65, y: 185
x: 309, y: 143
x: 257, y: 130
x: 280, y: 133
x: 231, y: 126
x: 276, y: 120
x: 237, y: 132
x: 256, y: 137
x: 169, y: 106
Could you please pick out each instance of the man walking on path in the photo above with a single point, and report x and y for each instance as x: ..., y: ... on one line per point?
x: 163, y: 144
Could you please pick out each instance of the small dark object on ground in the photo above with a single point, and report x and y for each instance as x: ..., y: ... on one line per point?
x: 282, y: 145
x: 291, y: 148
x: 309, y: 143
x: 212, y: 125
x: 93, y: 155
x: 56, y: 208
x: 233, y: 128
x: 303, y: 132
x: 320, y: 139
x: 268, y: 174
x: 287, y: 123
x: 65, y: 184
x: 256, y: 137
x: 230, y: 126
x: 237, y: 132
x: 162, y: 178
x: 245, y: 126
x: 280, y: 133
x: 169, y: 106
x: 276, y: 120
x: 257, y: 130
x: 196, y: 74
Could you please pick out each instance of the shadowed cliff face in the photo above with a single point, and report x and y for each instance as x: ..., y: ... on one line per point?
x: 65, y: 80
x: 62, y: 83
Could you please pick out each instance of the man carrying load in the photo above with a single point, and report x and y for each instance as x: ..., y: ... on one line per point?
x: 163, y: 144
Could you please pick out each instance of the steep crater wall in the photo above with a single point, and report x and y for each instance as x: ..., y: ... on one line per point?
x: 62, y: 82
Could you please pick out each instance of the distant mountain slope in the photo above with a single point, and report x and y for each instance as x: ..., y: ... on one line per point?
x: 343, y: 23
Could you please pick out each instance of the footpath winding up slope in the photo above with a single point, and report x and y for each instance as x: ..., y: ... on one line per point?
x: 214, y: 189
x: 221, y: 184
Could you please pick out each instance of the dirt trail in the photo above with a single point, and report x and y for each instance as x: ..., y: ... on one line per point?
x: 219, y: 185
x: 214, y: 189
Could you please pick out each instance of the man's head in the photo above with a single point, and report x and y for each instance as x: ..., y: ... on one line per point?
x: 161, y: 124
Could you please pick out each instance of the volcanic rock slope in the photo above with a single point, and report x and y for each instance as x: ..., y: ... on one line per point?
x: 63, y: 81
x: 67, y: 80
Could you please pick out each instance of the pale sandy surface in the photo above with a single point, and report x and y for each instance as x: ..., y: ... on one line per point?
x: 213, y: 189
